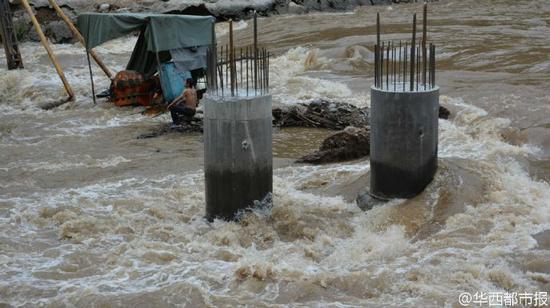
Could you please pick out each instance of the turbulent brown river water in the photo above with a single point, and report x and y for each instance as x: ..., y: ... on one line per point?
x: 92, y: 216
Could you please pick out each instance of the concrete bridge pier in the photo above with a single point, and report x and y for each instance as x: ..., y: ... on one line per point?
x: 404, y: 131
x: 238, y: 158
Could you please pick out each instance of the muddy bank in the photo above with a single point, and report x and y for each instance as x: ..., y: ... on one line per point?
x: 223, y: 10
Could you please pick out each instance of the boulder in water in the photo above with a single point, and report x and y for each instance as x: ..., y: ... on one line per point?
x: 58, y: 32
x: 366, y: 202
x: 349, y: 144
x: 444, y: 113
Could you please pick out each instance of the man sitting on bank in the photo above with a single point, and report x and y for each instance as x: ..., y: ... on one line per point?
x: 183, y: 107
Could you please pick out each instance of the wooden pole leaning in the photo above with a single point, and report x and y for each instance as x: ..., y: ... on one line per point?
x: 49, y: 50
x: 80, y: 38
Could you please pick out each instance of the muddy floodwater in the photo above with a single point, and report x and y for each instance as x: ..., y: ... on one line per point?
x: 92, y: 216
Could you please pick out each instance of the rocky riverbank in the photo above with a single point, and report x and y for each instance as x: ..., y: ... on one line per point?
x: 58, y: 32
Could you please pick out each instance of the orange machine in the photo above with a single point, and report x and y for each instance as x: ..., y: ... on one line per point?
x: 130, y: 88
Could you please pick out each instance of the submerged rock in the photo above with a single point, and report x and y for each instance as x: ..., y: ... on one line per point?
x: 444, y: 113
x: 321, y: 114
x: 58, y: 32
x: 349, y: 144
x: 366, y: 202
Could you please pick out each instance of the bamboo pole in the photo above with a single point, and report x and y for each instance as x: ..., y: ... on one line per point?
x: 80, y: 38
x: 48, y: 49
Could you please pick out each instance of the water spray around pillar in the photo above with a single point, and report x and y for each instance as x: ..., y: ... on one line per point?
x: 404, y: 116
x: 238, y: 161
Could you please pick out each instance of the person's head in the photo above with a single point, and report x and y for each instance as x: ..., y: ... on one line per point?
x: 189, y: 82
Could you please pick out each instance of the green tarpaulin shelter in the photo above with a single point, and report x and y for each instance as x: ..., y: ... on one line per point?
x: 159, y: 33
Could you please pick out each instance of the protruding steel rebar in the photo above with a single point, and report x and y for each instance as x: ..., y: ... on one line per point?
x: 265, y: 71
x: 413, y: 46
x: 409, y: 65
x: 227, y: 69
x: 376, y: 60
x: 424, y: 64
x: 247, y: 61
x: 264, y: 66
x: 252, y: 66
x: 231, y: 58
x: 406, y: 50
x: 393, y: 64
x: 417, y: 66
x: 433, y: 65
x: 382, y: 65
x: 255, y: 49
x: 262, y: 71
x: 222, y: 75
x: 424, y: 38
x: 430, y: 66
x: 399, y: 65
x: 241, y: 65
x: 388, y: 66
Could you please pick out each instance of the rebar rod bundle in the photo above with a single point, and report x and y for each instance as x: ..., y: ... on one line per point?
x: 405, y: 66
x: 238, y: 72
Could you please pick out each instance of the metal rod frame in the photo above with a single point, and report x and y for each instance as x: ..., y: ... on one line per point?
x: 252, y: 76
x: 395, y: 60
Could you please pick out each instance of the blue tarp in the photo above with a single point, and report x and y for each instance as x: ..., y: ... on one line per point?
x: 172, y: 81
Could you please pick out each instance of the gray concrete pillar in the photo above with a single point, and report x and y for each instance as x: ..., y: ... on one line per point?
x: 238, y: 158
x: 403, y: 142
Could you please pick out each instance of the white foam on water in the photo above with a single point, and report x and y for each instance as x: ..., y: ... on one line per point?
x: 123, y: 45
x: 289, y: 85
x: 222, y: 28
x: 70, y: 162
